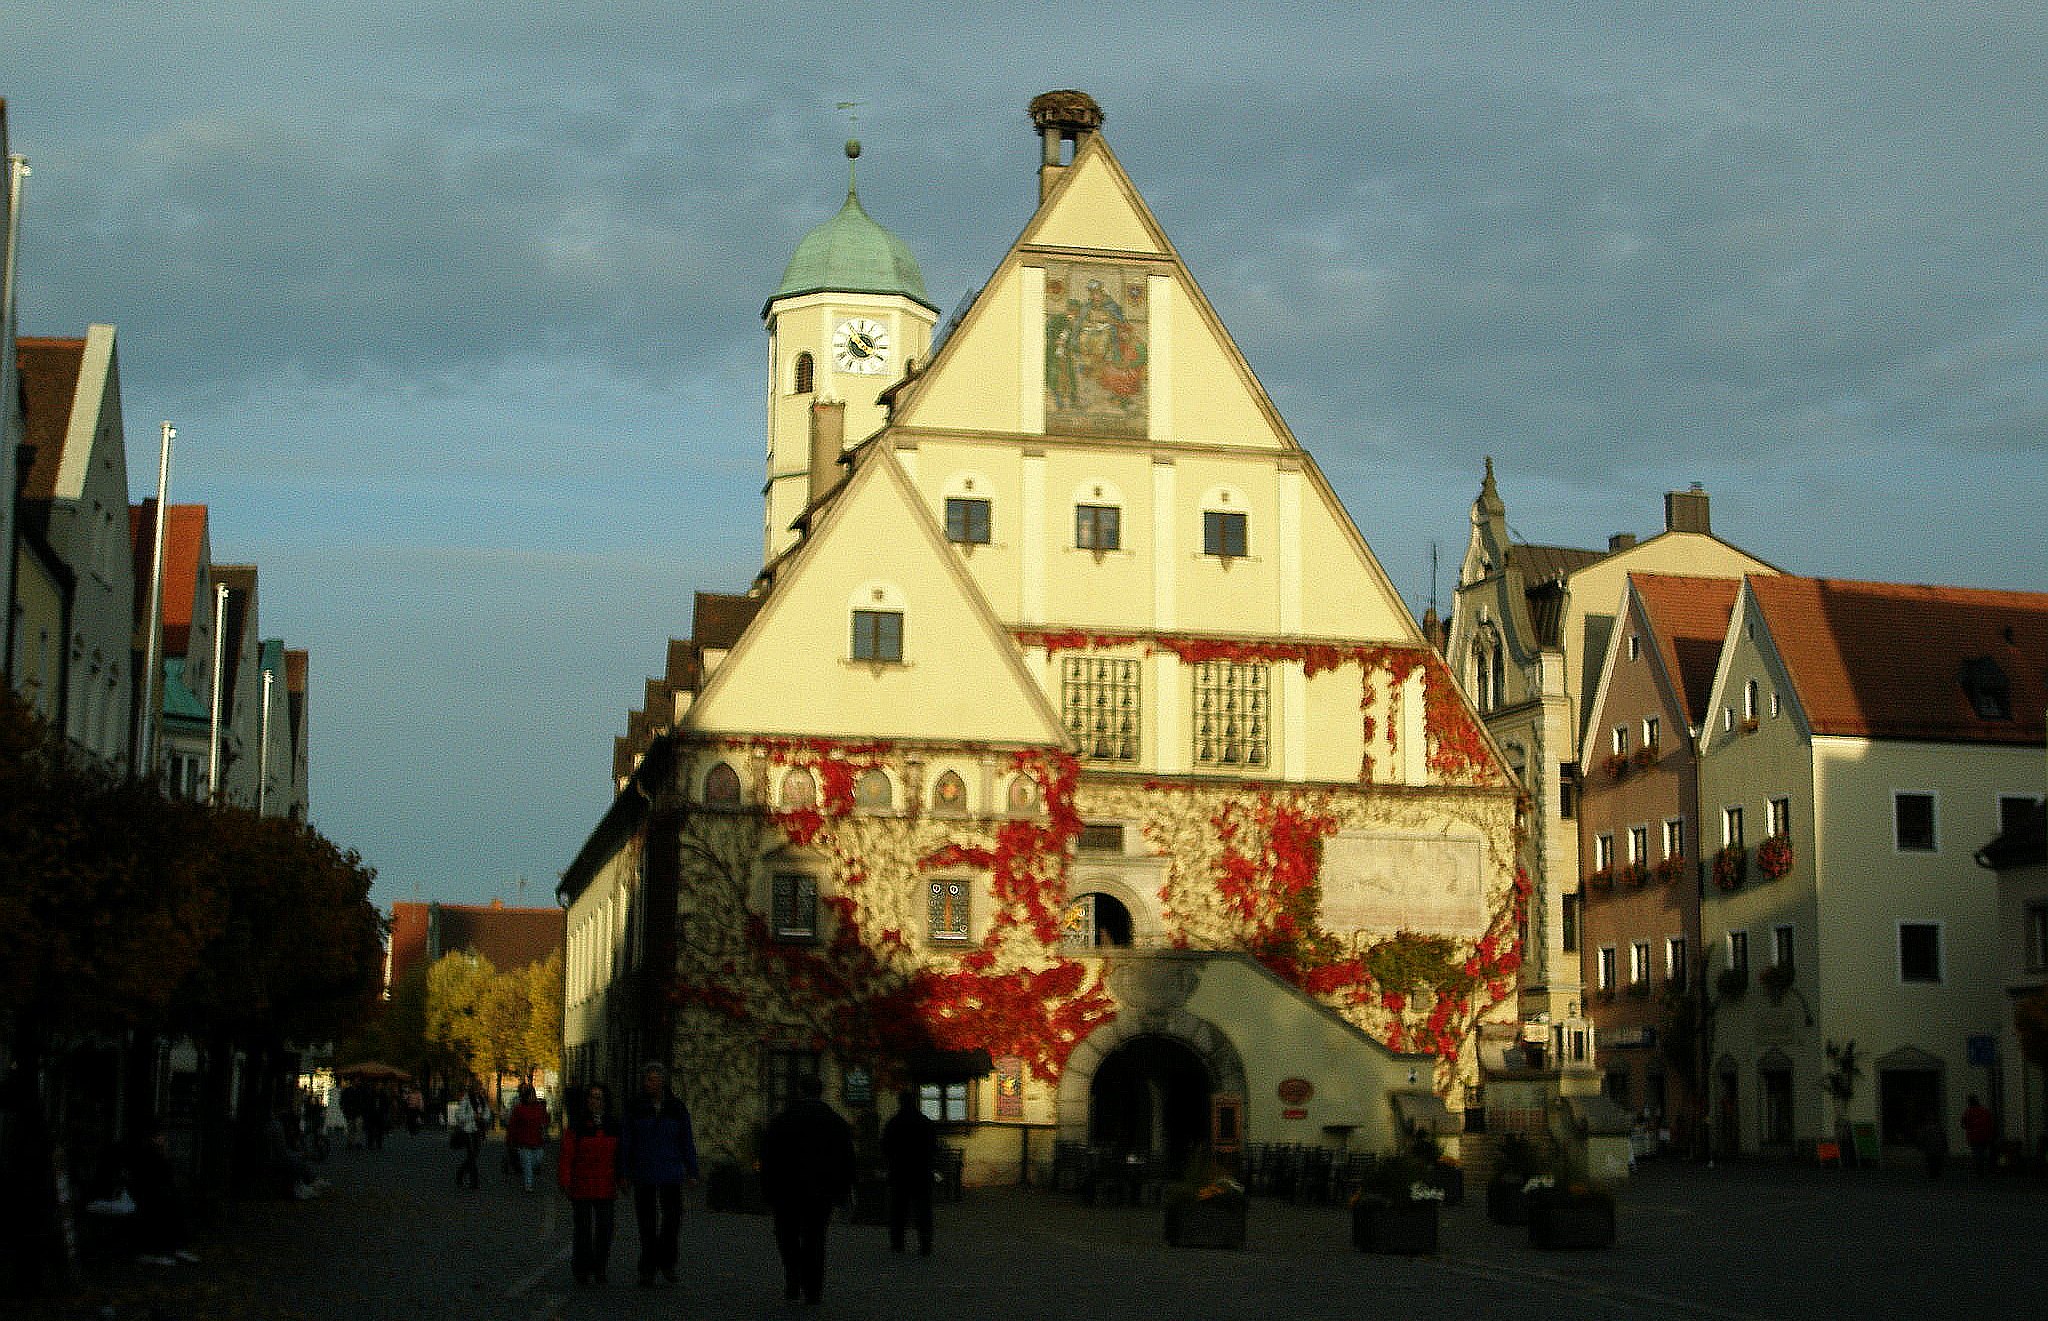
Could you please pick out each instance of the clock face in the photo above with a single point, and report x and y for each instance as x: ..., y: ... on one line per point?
x: 861, y: 346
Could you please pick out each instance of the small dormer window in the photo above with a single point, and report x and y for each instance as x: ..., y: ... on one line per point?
x: 1989, y: 691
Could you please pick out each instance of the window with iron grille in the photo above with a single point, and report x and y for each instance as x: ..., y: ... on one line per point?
x: 1098, y: 527
x: 1231, y: 710
x: 795, y: 915
x: 948, y: 910
x: 1099, y: 701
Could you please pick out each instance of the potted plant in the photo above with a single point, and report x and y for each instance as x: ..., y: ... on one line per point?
x: 1616, y: 765
x: 1645, y: 756
x: 1517, y: 1173
x: 1206, y: 1213
x: 1439, y: 1169
x: 1575, y: 1215
x: 1635, y: 875
x: 1732, y: 983
x: 1669, y: 869
x: 1731, y: 867
x: 1602, y: 879
x: 1397, y: 1212
x: 1774, y: 857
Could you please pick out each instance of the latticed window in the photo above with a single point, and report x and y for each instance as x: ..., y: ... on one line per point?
x: 1100, y: 703
x: 1231, y: 709
x: 948, y: 910
x: 796, y: 907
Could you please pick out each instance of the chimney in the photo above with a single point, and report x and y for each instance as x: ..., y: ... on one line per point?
x: 1686, y: 511
x: 1062, y: 117
x: 828, y: 436
x: 1620, y: 542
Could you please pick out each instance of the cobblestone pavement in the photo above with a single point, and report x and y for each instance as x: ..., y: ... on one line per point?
x: 396, y: 1239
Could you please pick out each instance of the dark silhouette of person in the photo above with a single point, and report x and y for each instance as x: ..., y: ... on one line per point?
x: 806, y: 1170
x: 910, y: 1146
x: 1980, y: 1130
x: 658, y: 1152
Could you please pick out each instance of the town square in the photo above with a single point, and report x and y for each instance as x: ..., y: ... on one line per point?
x: 745, y: 675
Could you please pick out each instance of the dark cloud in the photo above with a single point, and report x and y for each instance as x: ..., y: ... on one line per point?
x: 488, y: 280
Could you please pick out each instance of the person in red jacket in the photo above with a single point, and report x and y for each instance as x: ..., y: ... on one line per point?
x: 588, y: 1170
x: 526, y: 1132
x: 1980, y: 1130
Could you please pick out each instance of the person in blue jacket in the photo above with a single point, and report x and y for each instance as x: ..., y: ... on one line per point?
x: 658, y: 1155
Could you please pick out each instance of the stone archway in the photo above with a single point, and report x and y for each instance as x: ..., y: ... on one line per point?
x: 1152, y: 994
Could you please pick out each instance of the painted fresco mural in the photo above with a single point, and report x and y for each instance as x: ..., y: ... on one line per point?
x: 1097, y: 337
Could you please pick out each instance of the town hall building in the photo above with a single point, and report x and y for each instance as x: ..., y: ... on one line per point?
x: 1071, y: 757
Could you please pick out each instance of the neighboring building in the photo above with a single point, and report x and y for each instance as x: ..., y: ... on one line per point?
x: 74, y: 500
x: 2020, y: 858
x: 1863, y: 740
x: 511, y: 938
x: 1638, y: 914
x: 1072, y: 758
x: 1529, y: 629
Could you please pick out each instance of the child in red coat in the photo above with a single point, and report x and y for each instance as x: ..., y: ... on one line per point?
x: 588, y: 1170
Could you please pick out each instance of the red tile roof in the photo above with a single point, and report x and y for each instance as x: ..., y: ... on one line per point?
x: 49, y: 383
x: 1888, y: 660
x: 1689, y: 621
x: 509, y: 937
x: 184, y: 536
x: 718, y: 619
x: 294, y: 670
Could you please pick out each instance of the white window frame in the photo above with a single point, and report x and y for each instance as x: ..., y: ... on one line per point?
x: 1933, y: 821
x: 1639, y: 844
x: 1732, y: 826
x: 1635, y: 646
x: 1603, y: 852
x: 1652, y: 732
x: 1778, y: 817
x: 1639, y: 962
x: 1677, y: 969
x: 1784, y: 942
x: 1749, y: 702
x: 1738, y: 949
x: 1940, y: 977
x: 1620, y: 741
x: 1605, y: 967
x: 1674, y: 833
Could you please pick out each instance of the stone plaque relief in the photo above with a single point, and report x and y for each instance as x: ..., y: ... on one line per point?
x: 1387, y: 881
x: 1097, y: 349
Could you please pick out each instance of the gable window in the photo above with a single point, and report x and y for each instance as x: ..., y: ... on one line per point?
x: 1674, y: 961
x: 1749, y: 703
x: 1635, y: 646
x: 1621, y: 740
x: 1674, y: 837
x: 878, y: 635
x: 1223, y: 533
x: 967, y: 520
x: 805, y: 374
x: 794, y: 916
x: 1098, y: 527
x: 1099, y: 705
x: 946, y: 911
x: 1230, y: 714
x: 1652, y: 731
x: 1919, y: 951
x: 1913, y: 822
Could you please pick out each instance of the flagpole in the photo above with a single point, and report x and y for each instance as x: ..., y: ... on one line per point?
x: 17, y: 170
x: 220, y: 624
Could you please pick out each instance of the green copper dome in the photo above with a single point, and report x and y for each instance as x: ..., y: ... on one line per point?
x: 851, y: 254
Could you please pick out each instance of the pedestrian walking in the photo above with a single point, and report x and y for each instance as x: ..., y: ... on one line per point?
x: 806, y: 1170
x: 472, y: 1119
x: 526, y: 1132
x: 659, y: 1155
x: 1980, y: 1130
x: 910, y: 1146
x: 588, y: 1170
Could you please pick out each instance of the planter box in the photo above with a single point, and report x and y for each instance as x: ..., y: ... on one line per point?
x: 1406, y: 1229
x: 1506, y: 1203
x: 1217, y: 1222
x: 1571, y: 1225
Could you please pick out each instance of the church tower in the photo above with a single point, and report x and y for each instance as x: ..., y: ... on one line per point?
x: 850, y: 316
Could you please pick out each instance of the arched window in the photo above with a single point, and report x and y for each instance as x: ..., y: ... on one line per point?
x: 799, y: 789
x: 722, y: 786
x: 1023, y: 796
x: 805, y: 374
x: 873, y: 791
x: 949, y: 795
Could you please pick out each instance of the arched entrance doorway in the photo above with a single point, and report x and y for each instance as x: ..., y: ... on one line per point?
x: 1150, y: 1097
x: 1097, y: 921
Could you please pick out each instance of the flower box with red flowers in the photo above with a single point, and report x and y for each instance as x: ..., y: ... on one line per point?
x: 1669, y: 869
x: 1774, y: 857
x: 1602, y: 879
x: 1616, y: 765
x: 1635, y: 875
x: 1731, y: 867
x: 1645, y: 756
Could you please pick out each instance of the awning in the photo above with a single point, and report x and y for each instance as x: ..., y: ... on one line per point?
x: 949, y: 1065
x: 1425, y: 1112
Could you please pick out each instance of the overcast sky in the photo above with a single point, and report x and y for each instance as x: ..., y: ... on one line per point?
x: 457, y: 310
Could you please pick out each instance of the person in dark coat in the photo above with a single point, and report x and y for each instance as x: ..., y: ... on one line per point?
x: 587, y: 1167
x: 658, y: 1153
x: 806, y: 1170
x: 910, y: 1146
